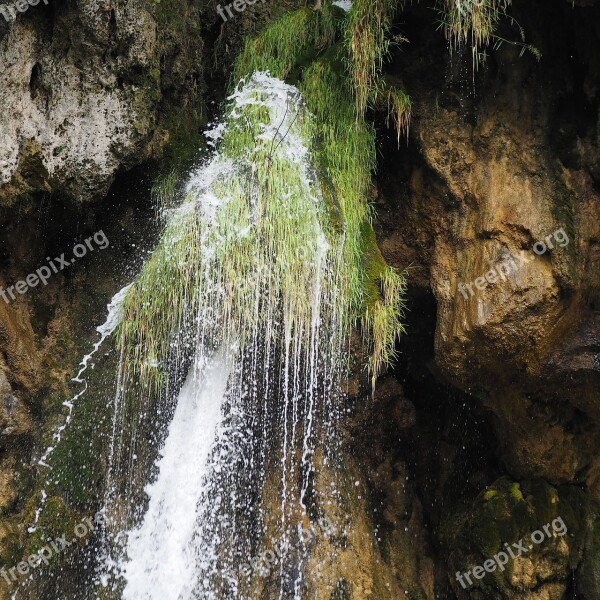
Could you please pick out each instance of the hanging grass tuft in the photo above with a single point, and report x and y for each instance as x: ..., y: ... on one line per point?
x: 383, y: 306
x: 382, y: 322
x: 278, y: 48
x: 253, y: 231
x: 368, y: 38
x: 472, y: 21
x: 396, y: 103
x: 475, y: 22
x: 158, y: 303
x: 399, y: 110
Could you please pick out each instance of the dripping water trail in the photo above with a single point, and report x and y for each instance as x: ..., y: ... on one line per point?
x: 113, y: 319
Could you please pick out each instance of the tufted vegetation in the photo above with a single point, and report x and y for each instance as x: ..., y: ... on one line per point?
x: 475, y: 23
x: 336, y: 60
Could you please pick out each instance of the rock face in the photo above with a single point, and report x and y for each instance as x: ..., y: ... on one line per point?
x: 81, y: 90
x: 84, y: 88
x: 537, y: 324
x: 527, y: 543
x: 504, y: 163
x: 74, y: 112
x: 99, y: 87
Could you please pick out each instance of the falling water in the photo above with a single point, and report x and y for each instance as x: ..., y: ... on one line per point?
x: 260, y: 337
x: 112, y: 321
x: 159, y: 549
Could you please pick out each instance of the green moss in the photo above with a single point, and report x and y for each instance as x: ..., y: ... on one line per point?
x: 55, y: 521
x: 77, y: 461
x: 510, y: 511
x: 489, y: 495
x: 281, y: 46
x: 515, y: 492
x: 173, y: 18
x: 501, y: 515
x: 11, y: 537
x: 144, y: 102
x: 186, y: 144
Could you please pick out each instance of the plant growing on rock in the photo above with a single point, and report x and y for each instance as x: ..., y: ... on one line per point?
x: 308, y: 48
x: 475, y: 23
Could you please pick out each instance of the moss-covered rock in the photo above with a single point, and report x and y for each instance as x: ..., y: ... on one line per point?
x: 529, y: 535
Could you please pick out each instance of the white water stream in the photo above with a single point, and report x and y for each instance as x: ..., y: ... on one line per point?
x: 113, y: 318
x: 161, y: 562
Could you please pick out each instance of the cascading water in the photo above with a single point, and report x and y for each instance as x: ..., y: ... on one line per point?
x: 47, y: 474
x: 257, y: 289
x: 219, y: 446
x: 161, y: 564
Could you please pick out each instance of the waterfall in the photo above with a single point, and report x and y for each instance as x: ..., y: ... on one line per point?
x: 230, y: 370
x: 219, y: 444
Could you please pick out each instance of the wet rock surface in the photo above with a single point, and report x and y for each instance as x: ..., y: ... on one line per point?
x: 502, y: 160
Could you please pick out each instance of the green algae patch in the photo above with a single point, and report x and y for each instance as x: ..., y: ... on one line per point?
x: 489, y: 495
x: 515, y: 492
x: 56, y: 520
